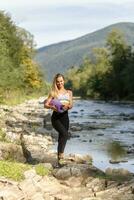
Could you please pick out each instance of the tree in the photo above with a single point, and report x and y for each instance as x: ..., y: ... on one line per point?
x: 111, y: 74
x: 18, y: 69
x: 118, y: 51
x: 128, y: 75
x: 32, y: 76
x: 77, y: 77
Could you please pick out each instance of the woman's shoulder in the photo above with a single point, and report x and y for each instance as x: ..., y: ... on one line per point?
x: 69, y: 91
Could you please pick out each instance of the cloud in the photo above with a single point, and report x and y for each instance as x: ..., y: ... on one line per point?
x: 52, y: 21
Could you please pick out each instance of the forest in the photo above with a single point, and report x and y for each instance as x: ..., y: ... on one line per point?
x: 109, y: 75
x: 20, y: 75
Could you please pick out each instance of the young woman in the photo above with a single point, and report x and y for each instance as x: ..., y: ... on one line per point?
x: 60, y: 120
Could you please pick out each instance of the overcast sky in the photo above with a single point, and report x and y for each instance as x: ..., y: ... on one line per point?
x: 52, y: 21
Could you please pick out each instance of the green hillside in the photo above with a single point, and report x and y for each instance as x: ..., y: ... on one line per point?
x: 59, y: 57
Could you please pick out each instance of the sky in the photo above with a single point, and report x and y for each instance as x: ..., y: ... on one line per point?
x: 53, y: 21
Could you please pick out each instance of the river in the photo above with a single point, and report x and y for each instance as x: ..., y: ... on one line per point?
x: 106, y: 132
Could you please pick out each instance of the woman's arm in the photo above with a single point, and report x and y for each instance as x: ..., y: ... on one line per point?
x: 71, y: 99
x: 48, y: 105
x: 70, y: 104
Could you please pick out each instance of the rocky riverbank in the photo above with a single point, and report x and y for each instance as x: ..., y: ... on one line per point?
x: 26, y: 135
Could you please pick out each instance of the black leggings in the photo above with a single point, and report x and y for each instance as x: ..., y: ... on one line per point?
x: 60, y: 122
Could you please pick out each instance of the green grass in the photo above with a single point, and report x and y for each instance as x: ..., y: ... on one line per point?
x: 3, y: 136
x: 13, y: 170
x: 42, y: 170
x: 18, y: 96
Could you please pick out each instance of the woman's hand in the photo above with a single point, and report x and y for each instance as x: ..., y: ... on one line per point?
x: 48, y: 105
x: 54, y: 108
x: 65, y: 106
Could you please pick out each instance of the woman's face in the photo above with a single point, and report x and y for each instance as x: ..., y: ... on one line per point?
x: 60, y: 82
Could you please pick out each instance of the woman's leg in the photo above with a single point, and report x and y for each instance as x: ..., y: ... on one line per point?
x: 61, y: 125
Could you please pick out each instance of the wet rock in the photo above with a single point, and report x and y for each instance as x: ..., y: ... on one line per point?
x: 130, y: 151
x: 118, y: 172
x: 92, y: 126
x: 100, y: 134
x: 75, y: 136
x: 114, y: 161
x: 47, y: 118
x: 77, y: 158
x: 82, y: 110
x: 84, y: 140
x: 74, y: 112
x: 75, y: 128
x: 43, y: 131
x: 123, y: 161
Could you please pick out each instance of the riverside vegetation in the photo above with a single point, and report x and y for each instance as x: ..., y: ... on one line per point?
x: 71, y: 53
x: 20, y: 76
x: 110, y: 75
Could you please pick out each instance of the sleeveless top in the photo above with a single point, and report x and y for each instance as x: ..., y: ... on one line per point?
x: 64, y: 98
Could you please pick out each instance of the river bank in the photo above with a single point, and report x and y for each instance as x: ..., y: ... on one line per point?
x: 105, y: 131
x: 77, y: 180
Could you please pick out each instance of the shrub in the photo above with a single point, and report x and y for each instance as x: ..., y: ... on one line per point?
x: 13, y: 170
x: 42, y: 170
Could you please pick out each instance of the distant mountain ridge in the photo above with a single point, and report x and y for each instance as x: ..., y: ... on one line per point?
x: 60, y: 56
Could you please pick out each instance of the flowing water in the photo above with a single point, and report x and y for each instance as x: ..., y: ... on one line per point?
x: 105, y: 131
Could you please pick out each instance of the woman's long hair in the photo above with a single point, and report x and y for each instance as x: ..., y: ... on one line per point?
x: 54, y: 88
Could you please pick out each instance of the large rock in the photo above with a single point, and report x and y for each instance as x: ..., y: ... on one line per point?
x: 118, y: 173
x: 10, y: 151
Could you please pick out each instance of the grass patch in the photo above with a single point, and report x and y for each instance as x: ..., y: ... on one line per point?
x: 3, y: 136
x: 13, y: 170
x: 18, y: 96
x: 42, y: 170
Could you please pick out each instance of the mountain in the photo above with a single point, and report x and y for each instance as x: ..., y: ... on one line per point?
x: 59, y: 57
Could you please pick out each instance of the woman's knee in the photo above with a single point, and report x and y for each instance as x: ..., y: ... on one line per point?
x: 63, y: 136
